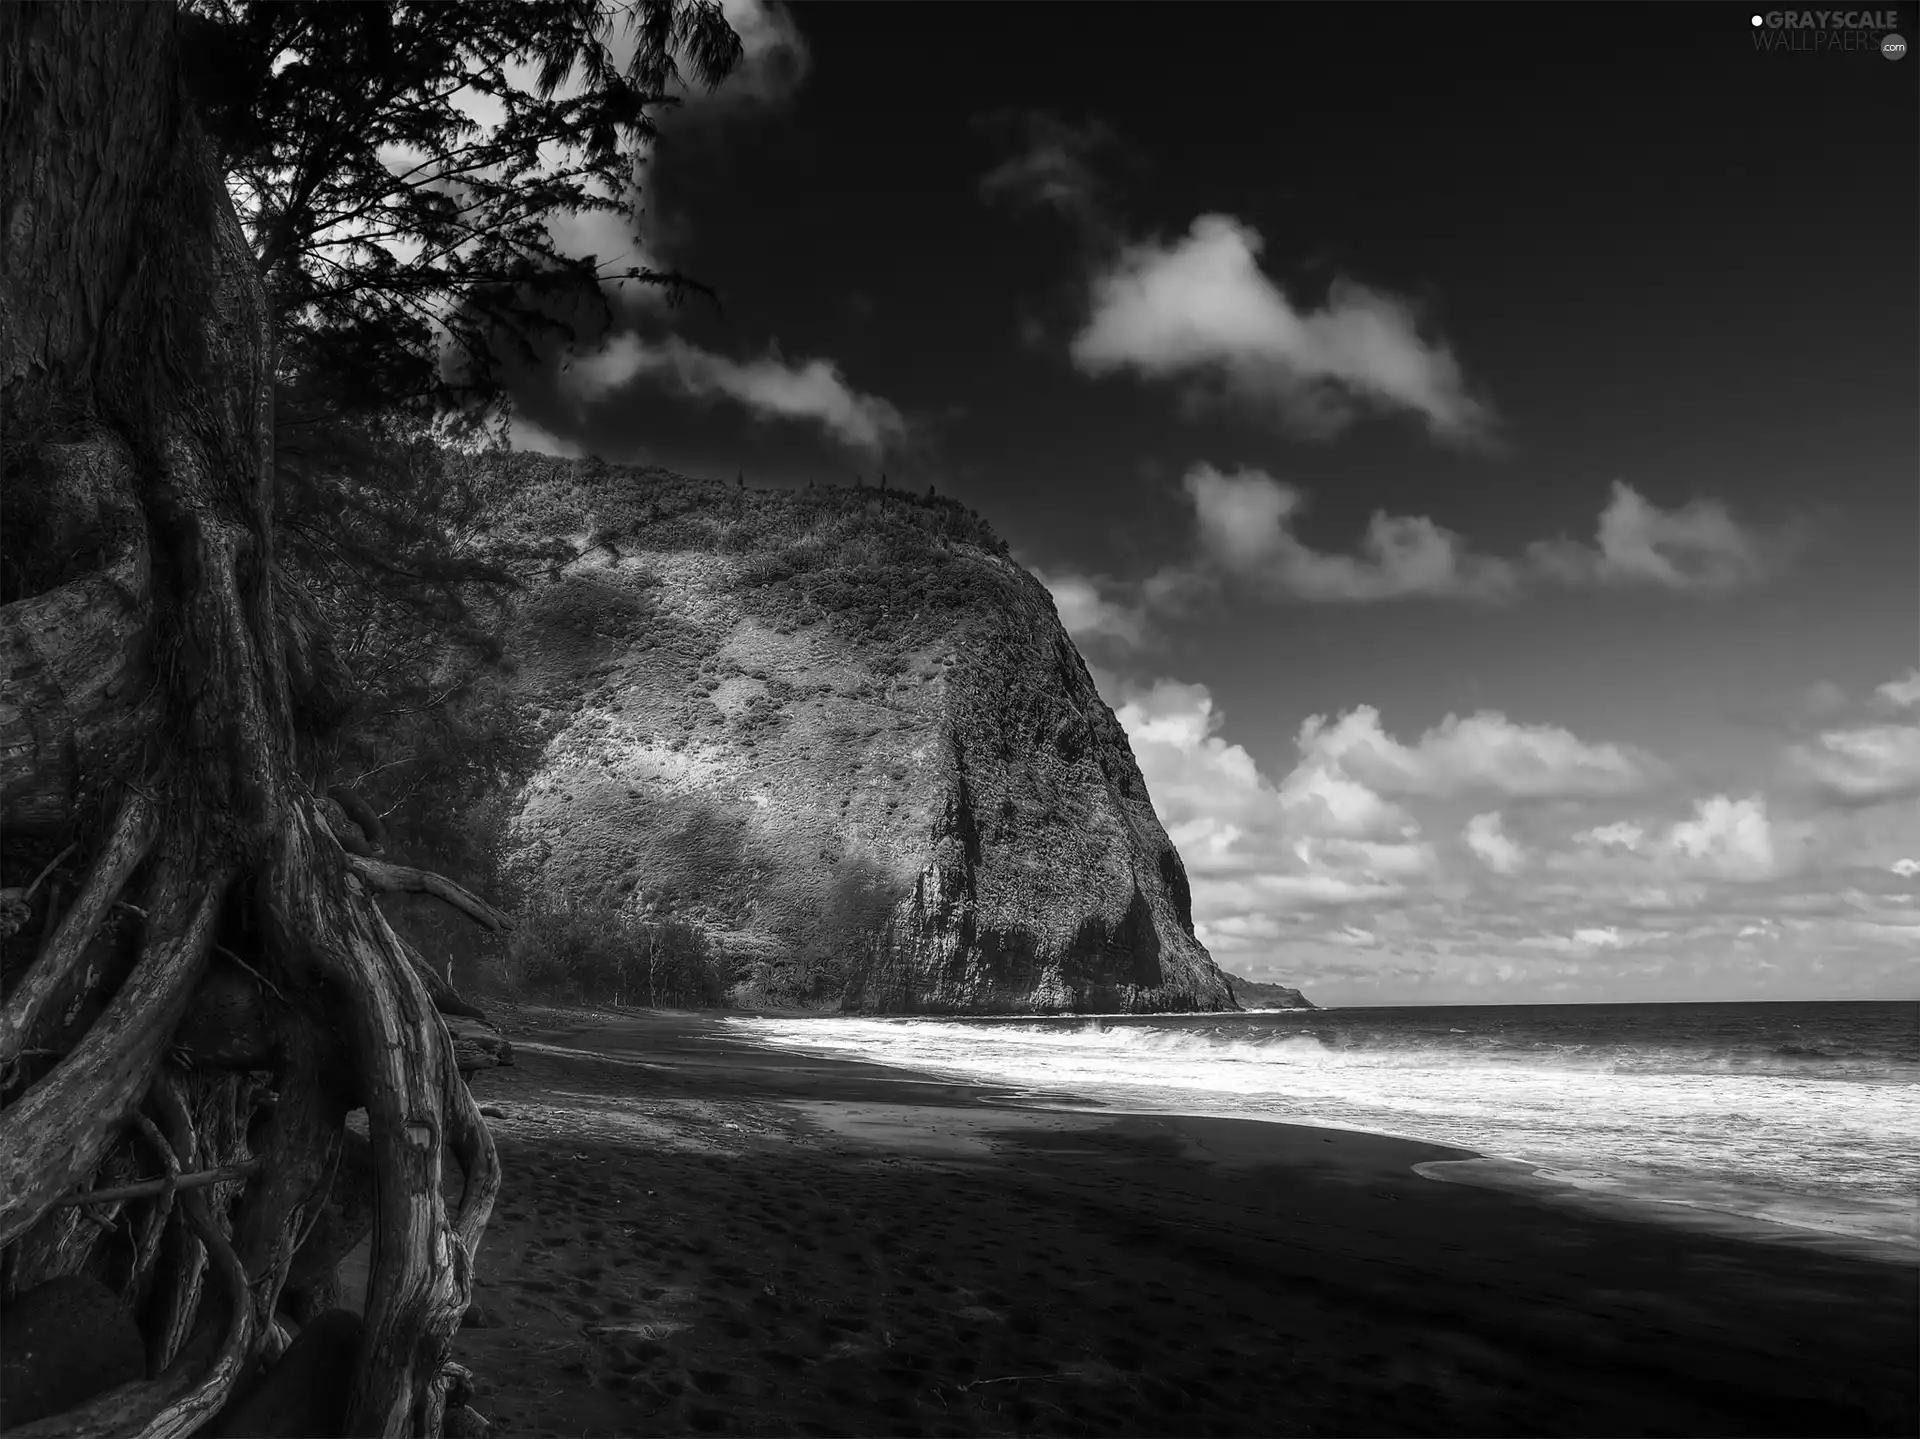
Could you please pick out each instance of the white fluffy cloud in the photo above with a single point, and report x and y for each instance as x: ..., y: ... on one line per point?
x: 1251, y: 847
x: 1867, y: 763
x: 1201, y: 308
x: 1698, y: 546
x: 1486, y: 836
x: 1484, y: 752
x: 774, y: 58
x: 1246, y: 526
x: 771, y: 387
x: 1582, y: 942
x: 1732, y: 839
x: 1324, y: 875
x: 1246, y: 536
x: 1087, y: 610
x: 1901, y: 694
x: 1862, y: 766
x: 1622, y: 834
x: 1724, y: 838
x: 1318, y: 797
x: 1329, y: 832
x: 526, y: 434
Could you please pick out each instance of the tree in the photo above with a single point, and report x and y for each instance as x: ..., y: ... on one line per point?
x: 199, y: 985
x: 397, y: 164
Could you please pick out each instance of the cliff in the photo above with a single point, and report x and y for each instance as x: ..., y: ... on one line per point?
x: 1252, y: 994
x: 844, y: 733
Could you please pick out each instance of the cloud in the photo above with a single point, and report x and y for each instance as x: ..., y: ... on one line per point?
x: 525, y: 434
x: 1054, y: 168
x: 1582, y: 942
x: 1486, y: 837
x: 774, y: 60
x: 774, y: 63
x: 1246, y: 528
x: 1318, y: 797
x: 1484, y: 752
x: 1087, y: 613
x: 1731, y: 839
x: 1253, y: 848
x: 1323, y: 875
x: 1869, y: 762
x: 771, y: 388
x: 1200, y: 308
x: 1861, y: 766
x: 1901, y: 694
x: 1246, y: 522
x: 1724, y: 839
x: 1622, y: 834
x: 1699, y: 546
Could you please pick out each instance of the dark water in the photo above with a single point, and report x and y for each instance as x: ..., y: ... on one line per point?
x: 1804, y: 1113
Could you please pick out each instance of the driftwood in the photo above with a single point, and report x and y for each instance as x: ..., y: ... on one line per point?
x: 477, y: 1046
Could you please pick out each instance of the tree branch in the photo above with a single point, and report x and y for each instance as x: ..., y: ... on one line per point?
x: 165, y: 1184
x: 386, y: 878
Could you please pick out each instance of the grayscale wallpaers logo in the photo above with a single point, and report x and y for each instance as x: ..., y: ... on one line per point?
x: 1828, y: 30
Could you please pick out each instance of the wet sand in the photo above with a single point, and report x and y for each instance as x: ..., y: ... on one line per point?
x: 699, y: 1237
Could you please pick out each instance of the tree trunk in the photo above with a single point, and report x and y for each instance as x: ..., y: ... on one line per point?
x: 157, y: 713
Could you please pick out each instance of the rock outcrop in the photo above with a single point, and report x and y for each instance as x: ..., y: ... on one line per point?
x: 846, y: 734
x: 1252, y: 994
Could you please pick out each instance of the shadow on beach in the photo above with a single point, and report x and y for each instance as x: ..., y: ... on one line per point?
x: 697, y: 1236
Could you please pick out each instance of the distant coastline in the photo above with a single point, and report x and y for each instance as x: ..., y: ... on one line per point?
x: 1252, y: 994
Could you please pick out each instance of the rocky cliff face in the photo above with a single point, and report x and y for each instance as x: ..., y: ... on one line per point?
x: 844, y: 732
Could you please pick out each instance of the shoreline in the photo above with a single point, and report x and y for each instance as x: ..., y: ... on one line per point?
x: 697, y: 1234
x: 1752, y: 1211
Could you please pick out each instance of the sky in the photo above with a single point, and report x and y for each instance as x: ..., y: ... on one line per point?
x: 1476, y: 450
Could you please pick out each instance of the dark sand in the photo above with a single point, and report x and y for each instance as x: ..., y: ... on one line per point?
x: 695, y: 1236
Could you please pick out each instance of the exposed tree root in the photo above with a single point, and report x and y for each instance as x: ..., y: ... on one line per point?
x: 171, y: 1184
x: 194, y: 1387
x: 151, y: 653
x: 54, y: 1135
x: 52, y: 973
x: 16, y: 903
x: 386, y: 878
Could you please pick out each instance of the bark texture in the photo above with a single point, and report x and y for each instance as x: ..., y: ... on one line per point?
x: 202, y: 989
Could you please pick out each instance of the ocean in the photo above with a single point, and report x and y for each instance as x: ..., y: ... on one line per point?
x: 1806, y: 1114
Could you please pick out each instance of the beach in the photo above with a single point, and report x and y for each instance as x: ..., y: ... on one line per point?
x: 696, y: 1235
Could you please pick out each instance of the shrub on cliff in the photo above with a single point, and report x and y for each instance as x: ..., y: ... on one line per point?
x: 596, y: 953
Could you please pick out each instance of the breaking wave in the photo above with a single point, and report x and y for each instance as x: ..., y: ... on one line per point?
x: 1806, y: 1113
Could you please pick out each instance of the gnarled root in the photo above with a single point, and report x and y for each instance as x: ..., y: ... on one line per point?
x: 195, y: 1386
x: 224, y: 1143
x: 52, y: 977
x: 142, y: 361
x: 385, y: 878
x: 53, y: 1136
x: 422, y: 1273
